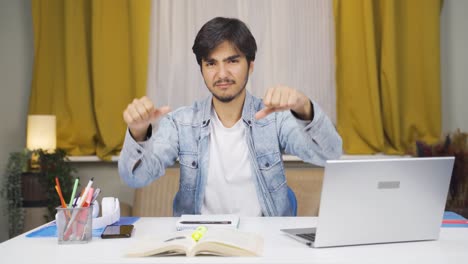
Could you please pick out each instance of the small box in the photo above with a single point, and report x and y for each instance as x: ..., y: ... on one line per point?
x: 74, y: 225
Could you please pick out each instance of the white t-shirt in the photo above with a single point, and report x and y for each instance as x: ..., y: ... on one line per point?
x: 230, y: 187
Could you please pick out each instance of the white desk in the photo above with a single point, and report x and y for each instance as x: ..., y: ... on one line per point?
x: 452, y: 247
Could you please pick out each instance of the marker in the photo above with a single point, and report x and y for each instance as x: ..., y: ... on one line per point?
x: 85, y: 193
x: 198, y: 233
x: 89, y: 197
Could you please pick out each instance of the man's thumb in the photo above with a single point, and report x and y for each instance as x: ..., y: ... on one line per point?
x: 264, y: 112
x: 159, y: 112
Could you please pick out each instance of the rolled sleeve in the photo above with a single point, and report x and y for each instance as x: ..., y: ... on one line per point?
x: 131, y: 157
x: 142, y: 162
x: 322, y: 132
x: 317, y: 140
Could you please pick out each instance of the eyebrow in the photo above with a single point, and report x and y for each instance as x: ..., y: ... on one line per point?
x: 233, y: 57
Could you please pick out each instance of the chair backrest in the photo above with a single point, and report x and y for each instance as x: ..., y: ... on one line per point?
x: 157, y: 198
x: 307, y: 186
x: 292, y: 198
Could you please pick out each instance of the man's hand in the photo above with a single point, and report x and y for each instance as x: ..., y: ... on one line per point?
x: 282, y: 98
x: 139, y: 114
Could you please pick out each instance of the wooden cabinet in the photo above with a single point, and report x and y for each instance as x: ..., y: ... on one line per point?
x: 34, y: 200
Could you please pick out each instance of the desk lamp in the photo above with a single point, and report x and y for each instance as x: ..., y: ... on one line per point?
x: 40, y: 135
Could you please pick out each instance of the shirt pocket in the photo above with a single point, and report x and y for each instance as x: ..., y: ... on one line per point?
x: 189, y: 135
x: 271, y: 167
x: 188, y: 170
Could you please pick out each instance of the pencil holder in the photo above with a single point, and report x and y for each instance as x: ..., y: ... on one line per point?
x: 74, y: 225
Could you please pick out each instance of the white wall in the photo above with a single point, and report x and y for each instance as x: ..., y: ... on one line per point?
x: 107, y: 178
x: 16, y: 60
x: 454, y: 60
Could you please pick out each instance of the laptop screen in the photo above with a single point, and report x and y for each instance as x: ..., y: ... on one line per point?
x: 382, y: 200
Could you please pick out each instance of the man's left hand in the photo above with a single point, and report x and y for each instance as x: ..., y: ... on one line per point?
x: 282, y: 98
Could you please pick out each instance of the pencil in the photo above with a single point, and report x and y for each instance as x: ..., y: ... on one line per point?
x: 62, y: 201
x: 59, y: 191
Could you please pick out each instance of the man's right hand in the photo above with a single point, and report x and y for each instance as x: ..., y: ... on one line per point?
x: 139, y: 114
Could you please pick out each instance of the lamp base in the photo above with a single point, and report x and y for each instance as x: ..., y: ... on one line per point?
x: 34, y: 165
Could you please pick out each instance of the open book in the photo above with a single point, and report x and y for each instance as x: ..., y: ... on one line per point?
x: 216, y: 241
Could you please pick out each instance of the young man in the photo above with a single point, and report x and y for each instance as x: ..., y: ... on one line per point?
x: 230, y: 144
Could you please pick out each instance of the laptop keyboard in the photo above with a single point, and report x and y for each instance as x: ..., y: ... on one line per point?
x: 308, y: 236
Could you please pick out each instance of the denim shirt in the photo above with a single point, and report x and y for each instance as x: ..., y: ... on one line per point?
x: 184, y: 134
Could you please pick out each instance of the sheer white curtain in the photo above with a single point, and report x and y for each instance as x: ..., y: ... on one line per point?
x: 295, y: 43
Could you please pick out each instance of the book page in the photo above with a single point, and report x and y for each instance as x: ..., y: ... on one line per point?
x: 177, y: 243
x: 228, y: 242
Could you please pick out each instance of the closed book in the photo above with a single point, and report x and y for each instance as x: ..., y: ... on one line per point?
x: 191, y: 222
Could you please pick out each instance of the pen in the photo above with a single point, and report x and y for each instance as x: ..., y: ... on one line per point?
x: 73, y: 193
x: 96, y: 194
x: 75, y: 200
x: 206, y: 222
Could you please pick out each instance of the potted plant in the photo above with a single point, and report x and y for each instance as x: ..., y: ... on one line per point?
x: 37, y: 185
x: 455, y: 144
x: 55, y: 165
x: 11, y: 190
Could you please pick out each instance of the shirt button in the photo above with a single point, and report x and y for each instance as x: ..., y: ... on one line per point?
x: 204, y: 122
x: 250, y: 122
x: 194, y: 163
x: 138, y: 151
x: 308, y: 129
x: 267, y: 164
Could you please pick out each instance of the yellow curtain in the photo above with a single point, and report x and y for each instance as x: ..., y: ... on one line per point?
x: 90, y: 62
x: 388, y: 74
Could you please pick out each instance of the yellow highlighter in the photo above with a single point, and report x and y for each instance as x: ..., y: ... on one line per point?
x: 198, y: 233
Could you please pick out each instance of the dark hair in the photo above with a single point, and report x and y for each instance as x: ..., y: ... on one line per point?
x: 220, y: 29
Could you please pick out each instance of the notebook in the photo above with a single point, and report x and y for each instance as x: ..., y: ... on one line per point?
x: 187, y: 221
x: 379, y: 201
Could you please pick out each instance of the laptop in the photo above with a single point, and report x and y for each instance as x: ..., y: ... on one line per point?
x: 379, y: 201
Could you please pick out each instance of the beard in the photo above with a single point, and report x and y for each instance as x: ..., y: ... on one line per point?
x: 229, y: 98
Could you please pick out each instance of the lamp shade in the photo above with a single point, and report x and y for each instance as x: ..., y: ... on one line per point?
x: 41, y: 132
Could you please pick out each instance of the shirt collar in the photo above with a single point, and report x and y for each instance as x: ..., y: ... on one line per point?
x: 247, y: 110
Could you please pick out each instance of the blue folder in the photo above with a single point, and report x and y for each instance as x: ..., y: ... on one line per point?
x: 50, y: 230
x: 454, y: 216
